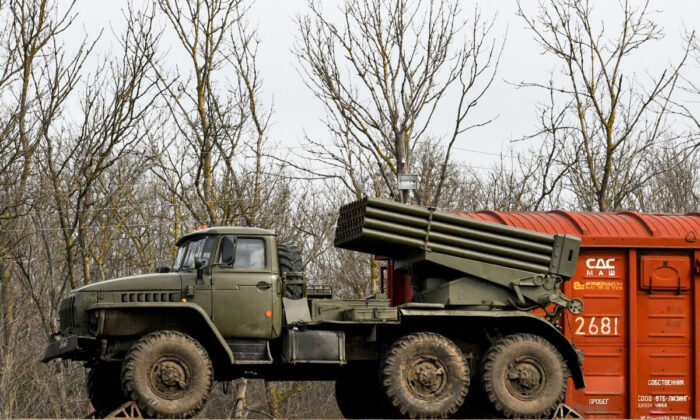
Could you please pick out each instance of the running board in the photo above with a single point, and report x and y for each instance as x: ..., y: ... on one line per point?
x: 250, y: 351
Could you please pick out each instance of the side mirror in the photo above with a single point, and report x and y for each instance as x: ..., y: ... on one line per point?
x: 199, y: 262
x: 162, y: 269
x: 228, y: 247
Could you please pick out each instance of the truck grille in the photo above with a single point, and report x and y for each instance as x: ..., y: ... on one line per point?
x: 151, y: 297
x: 66, y: 313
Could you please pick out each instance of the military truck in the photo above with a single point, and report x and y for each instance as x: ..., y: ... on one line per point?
x: 235, y: 304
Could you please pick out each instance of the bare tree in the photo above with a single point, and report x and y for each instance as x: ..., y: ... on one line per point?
x: 382, y: 73
x: 215, y: 164
x: 35, y: 80
x: 614, y: 120
x: 687, y: 107
x: 676, y: 188
x: 39, y: 74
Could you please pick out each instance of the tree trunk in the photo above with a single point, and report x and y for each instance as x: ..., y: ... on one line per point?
x: 273, y: 399
x: 8, y: 330
x: 239, y: 409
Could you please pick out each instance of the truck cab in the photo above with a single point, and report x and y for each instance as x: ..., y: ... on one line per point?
x: 233, y: 275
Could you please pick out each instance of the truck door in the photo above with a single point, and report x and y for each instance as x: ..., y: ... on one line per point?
x: 242, y: 292
x: 196, y: 290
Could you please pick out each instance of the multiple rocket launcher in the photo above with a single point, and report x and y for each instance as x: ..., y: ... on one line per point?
x: 395, y: 230
x: 526, y: 266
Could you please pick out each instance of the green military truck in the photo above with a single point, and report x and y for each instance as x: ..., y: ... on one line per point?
x: 235, y: 304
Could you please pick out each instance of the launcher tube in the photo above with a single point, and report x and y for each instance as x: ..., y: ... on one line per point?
x: 451, y: 250
x: 462, y: 221
x: 436, y: 237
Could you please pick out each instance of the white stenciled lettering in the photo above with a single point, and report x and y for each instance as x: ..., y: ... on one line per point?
x: 597, y: 325
x: 601, y: 263
x: 666, y: 382
x: 598, y: 401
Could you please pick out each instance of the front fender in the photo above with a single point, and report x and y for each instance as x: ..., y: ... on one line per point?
x: 137, y: 318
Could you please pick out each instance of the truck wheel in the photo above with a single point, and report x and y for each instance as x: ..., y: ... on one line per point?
x: 524, y: 376
x: 105, y: 388
x: 168, y: 374
x: 425, y: 375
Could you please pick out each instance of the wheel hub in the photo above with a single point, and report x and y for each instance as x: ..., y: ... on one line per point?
x: 525, y: 378
x: 426, y: 376
x: 169, y: 378
x: 171, y: 374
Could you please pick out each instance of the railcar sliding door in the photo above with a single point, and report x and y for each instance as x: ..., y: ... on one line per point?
x: 664, y: 336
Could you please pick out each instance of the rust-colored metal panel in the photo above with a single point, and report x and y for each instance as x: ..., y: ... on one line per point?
x: 399, y: 287
x: 665, y: 381
x: 601, y: 332
x: 665, y: 273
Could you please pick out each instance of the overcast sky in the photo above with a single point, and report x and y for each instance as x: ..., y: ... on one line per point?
x: 296, y: 111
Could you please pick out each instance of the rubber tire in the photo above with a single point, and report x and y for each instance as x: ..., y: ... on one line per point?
x: 493, y: 375
x: 289, y: 258
x: 358, y: 395
x: 105, y: 389
x: 290, y: 262
x: 394, y: 370
x: 139, y: 361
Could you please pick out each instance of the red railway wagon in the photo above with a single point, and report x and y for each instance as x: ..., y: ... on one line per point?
x: 639, y: 277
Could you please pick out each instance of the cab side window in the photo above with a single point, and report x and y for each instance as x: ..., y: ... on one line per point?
x: 250, y: 253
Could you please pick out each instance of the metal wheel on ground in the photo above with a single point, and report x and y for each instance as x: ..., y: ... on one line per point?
x: 168, y: 374
x: 524, y: 376
x: 425, y: 375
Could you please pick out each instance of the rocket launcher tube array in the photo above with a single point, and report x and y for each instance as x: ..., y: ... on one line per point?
x: 396, y: 230
x: 465, y: 231
x: 437, y: 237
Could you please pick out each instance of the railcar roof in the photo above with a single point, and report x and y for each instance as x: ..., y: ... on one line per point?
x: 623, y: 230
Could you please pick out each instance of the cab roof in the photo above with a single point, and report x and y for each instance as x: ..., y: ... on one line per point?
x: 226, y: 230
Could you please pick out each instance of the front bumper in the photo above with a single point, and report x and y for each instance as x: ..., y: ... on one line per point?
x: 72, y: 347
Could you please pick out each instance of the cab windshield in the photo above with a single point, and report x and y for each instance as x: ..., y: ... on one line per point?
x: 196, y: 247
